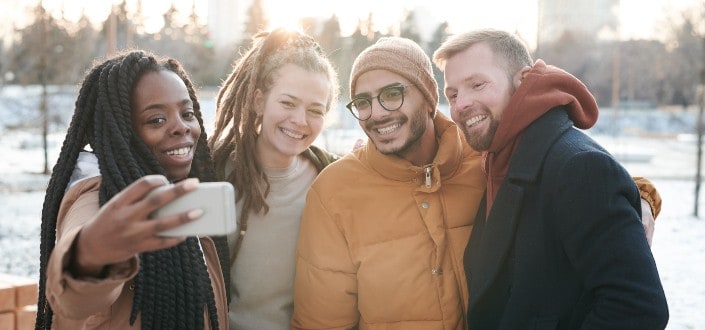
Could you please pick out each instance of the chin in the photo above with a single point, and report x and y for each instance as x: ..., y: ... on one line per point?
x: 390, y: 148
x: 294, y: 150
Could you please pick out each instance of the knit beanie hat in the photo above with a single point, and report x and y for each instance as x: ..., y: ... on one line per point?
x: 401, y: 56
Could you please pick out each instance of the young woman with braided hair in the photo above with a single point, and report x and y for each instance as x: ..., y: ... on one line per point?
x: 270, y: 110
x: 103, y: 266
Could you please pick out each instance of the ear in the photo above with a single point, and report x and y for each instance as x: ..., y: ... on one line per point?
x: 520, y: 75
x: 259, y: 102
x: 432, y: 110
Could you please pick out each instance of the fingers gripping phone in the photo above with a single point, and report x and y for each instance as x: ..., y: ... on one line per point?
x: 216, y: 199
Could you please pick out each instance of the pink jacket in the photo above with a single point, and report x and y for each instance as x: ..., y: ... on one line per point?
x: 103, y: 303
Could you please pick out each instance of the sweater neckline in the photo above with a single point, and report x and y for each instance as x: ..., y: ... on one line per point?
x: 283, y: 173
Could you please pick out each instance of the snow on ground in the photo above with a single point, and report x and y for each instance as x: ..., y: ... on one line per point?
x: 680, y: 253
x: 678, y: 247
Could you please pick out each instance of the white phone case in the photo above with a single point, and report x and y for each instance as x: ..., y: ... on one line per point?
x: 216, y: 199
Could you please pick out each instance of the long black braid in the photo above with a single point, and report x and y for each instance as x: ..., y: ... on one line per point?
x: 172, y: 287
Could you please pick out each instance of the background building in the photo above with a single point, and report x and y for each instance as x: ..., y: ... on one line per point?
x: 226, y: 21
x: 597, y: 18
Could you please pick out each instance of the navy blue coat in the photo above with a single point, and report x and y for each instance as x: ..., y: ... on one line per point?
x: 563, y: 246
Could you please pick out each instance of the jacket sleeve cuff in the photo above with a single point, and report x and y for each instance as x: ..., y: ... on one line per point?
x: 648, y: 192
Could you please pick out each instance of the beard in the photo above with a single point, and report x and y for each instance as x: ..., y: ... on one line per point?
x: 417, y: 128
x: 483, y: 141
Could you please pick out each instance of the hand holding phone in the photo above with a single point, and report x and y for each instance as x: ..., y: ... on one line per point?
x: 216, y: 199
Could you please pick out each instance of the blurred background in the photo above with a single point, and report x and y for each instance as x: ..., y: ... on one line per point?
x: 643, y: 60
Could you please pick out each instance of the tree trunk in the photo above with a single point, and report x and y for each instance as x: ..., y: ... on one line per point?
x: 43, y: 110
x: 699, y: 129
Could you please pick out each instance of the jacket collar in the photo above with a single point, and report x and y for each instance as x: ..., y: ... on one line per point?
x: 319, y: 157
x: 543, y: 87
x: 526, y: 164
x: 446, y: 161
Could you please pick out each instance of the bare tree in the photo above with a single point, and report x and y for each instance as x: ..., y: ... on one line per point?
x: 697, y: 30
x: 409, y: 27
x: 37, y: 59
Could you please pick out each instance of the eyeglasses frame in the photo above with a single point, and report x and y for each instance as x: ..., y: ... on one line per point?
x: 369, y: 99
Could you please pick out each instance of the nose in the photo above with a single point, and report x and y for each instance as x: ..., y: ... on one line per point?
x: 298, y: 116
x: 378, y: 111
x: 181, y: 127
x: 463, y: 102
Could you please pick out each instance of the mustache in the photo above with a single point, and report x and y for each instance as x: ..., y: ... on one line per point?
x: 371, y: 124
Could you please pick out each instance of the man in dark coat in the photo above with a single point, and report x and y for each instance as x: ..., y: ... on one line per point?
x: 559, y: 243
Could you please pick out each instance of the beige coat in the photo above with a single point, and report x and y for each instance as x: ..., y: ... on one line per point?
x: 380, y: 248
x: 103, y: 303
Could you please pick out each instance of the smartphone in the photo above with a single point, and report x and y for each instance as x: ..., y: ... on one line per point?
x: 216, y: 199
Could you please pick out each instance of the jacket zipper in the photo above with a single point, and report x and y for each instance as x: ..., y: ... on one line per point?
x: 427, y: 172
x: 435, y: 271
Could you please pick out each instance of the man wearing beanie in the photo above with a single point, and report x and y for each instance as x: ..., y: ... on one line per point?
x: 384, y: 228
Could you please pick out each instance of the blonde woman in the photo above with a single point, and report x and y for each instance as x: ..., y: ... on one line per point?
x: 269, y: 111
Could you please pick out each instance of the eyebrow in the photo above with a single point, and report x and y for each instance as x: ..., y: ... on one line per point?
x: 394, y: 84
x: 298, y: 99
x: 471, y: 77
x: 467, y: 79
x: 163, y: 105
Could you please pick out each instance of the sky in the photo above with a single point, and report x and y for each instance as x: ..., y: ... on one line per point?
x: 639, y: 18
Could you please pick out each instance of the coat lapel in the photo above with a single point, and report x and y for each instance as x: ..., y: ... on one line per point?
x: 496, y: 240
x: 498, y: 230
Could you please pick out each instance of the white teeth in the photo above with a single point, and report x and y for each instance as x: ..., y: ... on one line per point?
x: 388, y: 129
x: 179, y: 152
x: 292, y: 134
x: 475, y: 120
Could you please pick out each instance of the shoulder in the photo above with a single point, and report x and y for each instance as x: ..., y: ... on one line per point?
x: 576, y: 159
x: 574, y: 150
x: 347, y: 170
x: 320, y: 157
x: 83, y: 193
x: 575, y: 143
x: 82, y: 187
x: 80, y: 203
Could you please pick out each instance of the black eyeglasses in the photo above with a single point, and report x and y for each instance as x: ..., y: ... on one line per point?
x: 391, y: 98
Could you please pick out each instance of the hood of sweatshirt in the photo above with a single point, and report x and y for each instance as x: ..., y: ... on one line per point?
x: 543, y: 88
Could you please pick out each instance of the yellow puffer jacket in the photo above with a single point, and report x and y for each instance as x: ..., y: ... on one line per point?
x: 382, y: 240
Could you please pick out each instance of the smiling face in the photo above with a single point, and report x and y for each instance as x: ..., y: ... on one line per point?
x: 293, y: 113
x: 394, y: 132
x: 478, y: 90
x: 163, y: 117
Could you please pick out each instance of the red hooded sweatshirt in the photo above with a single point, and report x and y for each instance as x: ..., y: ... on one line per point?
x: 543, y: 88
